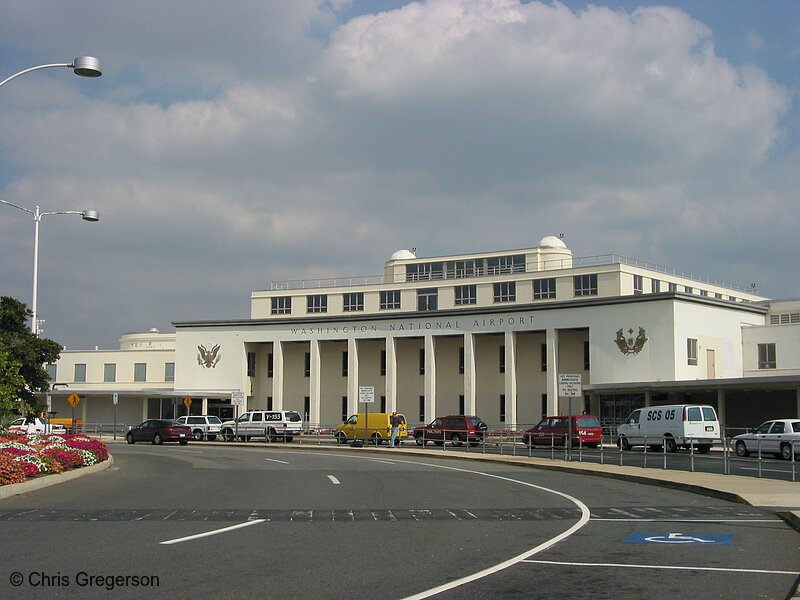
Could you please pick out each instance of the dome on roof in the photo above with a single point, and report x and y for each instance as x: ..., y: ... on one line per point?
x: 551, y: 241
x: 403, y: 255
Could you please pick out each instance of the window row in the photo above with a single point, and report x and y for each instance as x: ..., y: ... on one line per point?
x: 110, y: 372
x: 474, y: 267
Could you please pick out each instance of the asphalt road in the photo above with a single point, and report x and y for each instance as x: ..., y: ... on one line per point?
x: 225, y: 522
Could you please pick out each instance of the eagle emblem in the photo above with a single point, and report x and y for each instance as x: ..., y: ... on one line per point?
x: 630, y: 345
x: 208, y: 358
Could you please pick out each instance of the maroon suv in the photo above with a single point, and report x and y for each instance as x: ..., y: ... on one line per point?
x: 453, y: 428
x: 585, y: 430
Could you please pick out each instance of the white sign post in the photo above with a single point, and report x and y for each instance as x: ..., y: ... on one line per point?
x: 237, y: 399
x: 569, y: 386
x: 366, y: 394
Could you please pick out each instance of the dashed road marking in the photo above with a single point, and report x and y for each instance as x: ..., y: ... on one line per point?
x: 333, y: 479
x: 210, y: 533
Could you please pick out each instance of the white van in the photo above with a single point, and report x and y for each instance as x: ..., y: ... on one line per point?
x: 673, y: 426
x: 268, y: 424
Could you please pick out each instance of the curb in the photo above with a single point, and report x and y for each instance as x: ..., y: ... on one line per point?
x: 14, y: 489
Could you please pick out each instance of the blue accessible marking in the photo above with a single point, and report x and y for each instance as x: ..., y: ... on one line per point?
x: 643, y: 537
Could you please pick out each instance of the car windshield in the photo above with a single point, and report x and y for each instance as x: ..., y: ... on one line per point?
x: 588, y: 422
x: 293, y: 417
x: 764, y: 427
x: 796, y: 426
x: 214, y: 420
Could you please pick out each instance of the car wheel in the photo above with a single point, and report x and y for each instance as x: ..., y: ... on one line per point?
x: 741, y: 449
x: 704, y: 448
x: 289, y: 438
x: 455, y: 439
x: 376, y: 439
x: 211, y: 437
x: 440, y: 443
x: 670, y: 445
x: 528, y: 441
x: 227, y: 435
x: 183, y: 442
x: 591, y: 445
x: 197, y: 434
x: 130, y: 439
x: 271, y: 436
x: 623, y: 443
x: 157, y: 439
x: 341, y: 438
x: 421, y: 441
x: 786, y: 451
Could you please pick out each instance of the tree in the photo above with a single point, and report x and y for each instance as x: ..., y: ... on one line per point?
x: 23, y: 356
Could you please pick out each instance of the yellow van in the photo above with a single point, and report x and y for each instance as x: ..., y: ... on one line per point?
x: 374, y: 426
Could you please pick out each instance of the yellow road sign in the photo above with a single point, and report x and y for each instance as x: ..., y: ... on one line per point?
x: 74, y: 399
x: 187, y: 402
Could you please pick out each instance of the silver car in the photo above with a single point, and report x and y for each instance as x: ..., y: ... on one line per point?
x: 204, y: 427
x: 772, y: 437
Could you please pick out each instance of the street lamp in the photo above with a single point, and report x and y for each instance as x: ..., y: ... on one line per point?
x: 86, y: 215
x: 85, y: 66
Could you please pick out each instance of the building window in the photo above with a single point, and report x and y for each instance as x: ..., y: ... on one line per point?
x: 344, y: 363
x: 422, y: 409
x: 585, y: 356
x: 461, y: 361
x: 344, y: 409
x: 281, y: 305
x: 422, y: 361
x: 52, y: 371
x: 544, y: 289
x: 390, y: 300
x: 383, y: 404
x: 585, y: 285
x: 140, y: 371
x: 269, y: 403
x: 427, y: 299
x: 638, y: 285
x: 766, y: 356
x: 461, y: 406
x: 688, y: 289
x: 501, y: 355
x: 505, y: 291
x: 544, y: 405
x: 317, y: 303
x: 251, y: 364
x: 544, y: 357
x: 466, y: 294
x: 353, y: 301
x: 784, y: 318
x: 80, y: 373
x: 498, y: 265
x: 307, y: 364
x: 169, y: 371
x: 383, y: 363
x: 270, y: 362
x: 109, y: 372
x: 717, y: 295
x: 502, y: 408
x: 691, y: 351
x: 463, y: 268
x: 655, y: 286
x: 424, y: 271
x: 306, y: 408
x: 673, y: 287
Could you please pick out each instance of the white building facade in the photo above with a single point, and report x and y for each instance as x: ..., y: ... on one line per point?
x: 487, y: 334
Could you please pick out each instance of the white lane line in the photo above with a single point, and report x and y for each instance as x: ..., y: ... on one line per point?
x: 275, y: 460
x: 386, y: 462
x: 333, y: 479
x: 679, y: 520
x: 673, y: 567
x: 584, y: 519
x: 214, y: 532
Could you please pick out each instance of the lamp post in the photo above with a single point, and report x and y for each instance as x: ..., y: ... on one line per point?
x: 85, y: 66
x: 86, y: 215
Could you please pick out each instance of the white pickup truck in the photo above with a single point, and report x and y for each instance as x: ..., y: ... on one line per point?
x: 35, y: 425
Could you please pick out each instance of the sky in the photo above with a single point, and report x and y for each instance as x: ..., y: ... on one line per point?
x: 231, y: 144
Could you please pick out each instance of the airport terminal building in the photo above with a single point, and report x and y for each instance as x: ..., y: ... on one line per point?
x: 488, y: 333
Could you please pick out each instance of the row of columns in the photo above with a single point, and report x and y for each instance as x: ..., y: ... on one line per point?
x: 391, y: 388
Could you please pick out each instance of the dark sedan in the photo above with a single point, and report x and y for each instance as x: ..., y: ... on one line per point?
x: 158, y: 431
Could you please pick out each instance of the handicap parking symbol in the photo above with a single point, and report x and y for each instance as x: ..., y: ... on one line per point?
x: 643, y: 537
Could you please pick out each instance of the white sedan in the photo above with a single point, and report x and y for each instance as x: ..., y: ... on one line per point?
x: 773, y: 437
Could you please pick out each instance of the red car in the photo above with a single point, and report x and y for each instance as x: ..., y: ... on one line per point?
x: 456, y: 429
x: 585, y: 430
x: 157, y: 431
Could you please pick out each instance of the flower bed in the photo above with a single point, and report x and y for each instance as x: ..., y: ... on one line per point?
x: 23, y: 456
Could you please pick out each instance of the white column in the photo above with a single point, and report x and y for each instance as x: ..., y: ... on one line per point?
x: 315, y: 385
x: 430, y: 377
x: 511, y: 378
x: 470, y: 379
x: 277, y: 375
x: 352, y: 376
x: 552, y: 372
x: 391, y: 373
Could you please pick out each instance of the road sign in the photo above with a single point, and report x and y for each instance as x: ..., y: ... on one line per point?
x: 115, y: 398
x: 237, y: 398
x: 187, y: 401
x: 73, y: 399
x: 709, y: 539
x: 569, y: 384
x: 366, y: 394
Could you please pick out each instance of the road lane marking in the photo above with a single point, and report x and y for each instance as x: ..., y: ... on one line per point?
x: 275, y: 460
x: 386, y: 462
x: 333, y: 479
x: 210, y: 533
x: 668, y: 567
x: 692, y: 520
